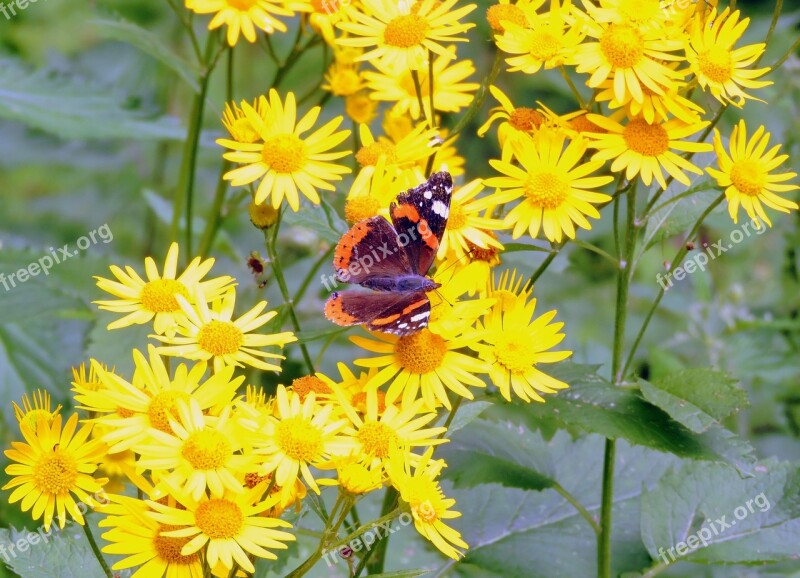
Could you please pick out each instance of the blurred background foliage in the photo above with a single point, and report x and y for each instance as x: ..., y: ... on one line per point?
x: 92, y: 123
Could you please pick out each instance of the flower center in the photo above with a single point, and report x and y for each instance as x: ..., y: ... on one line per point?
x: 302, y: 386
x: 406, y: 31
x: 124, y: 412
x: 159, y: 296
x: 219, y: 519
x: 716, y: 64
x: 207, y: 450
x: 242, y: 130
x: 583, y: 124
x: 345, y: 81
x: 457, y: 218
x: 242, y: 5
x: 648, y: 139
x: 360, y: 208
x: 299, y: 439
x: 544, y: 45
x: 622, y: 45
x: 220, y: 338
x: 377, y: 438
x: 547, y: 189
x: 747, y: 177
x: 55, y: 473
x: 420, y: 352
x: 326, y: 6
x: 488, y: 254
x: 169, y: 549
x: 525, y: 119
x: 370, y: 155
x: 514, y: 352
x: 499, y: 13
x: 360, y: 108
x: 162, y: 407
x: 34, y: 416
x: 359, y: 401
x: 284, y: 153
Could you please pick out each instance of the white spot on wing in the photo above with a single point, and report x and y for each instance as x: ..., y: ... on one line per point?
x: 440, y: 209
x: 428, y: 194
x: 420, y: 316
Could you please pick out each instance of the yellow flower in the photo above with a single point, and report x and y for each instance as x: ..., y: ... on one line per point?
x: 520, y: 122
x: 643, y: 13
x: 745, y: 174
x: 429, y: 506
x: 450, y: 92
x: 51, y: 466
x: 646, y: 149
x: 201, y: 453
x: 556, y: 191
x: 360, y: 108
x: 631, y: 56
x: 130, y: 410
x: 227, y: 528
x: 242, y: 16
x: 325, y: 15
x: 213, y: 334
x: 343, y: 79
x: 446, y: 158
x: 545, y: 40
x: 137, y: 536
x: 355, y: 386
x: 156, y: 298
x: 451, y: 312
x: 718, y: 66
x: 31, y: 413
x: 403, y: 34
x: 466, y: 225
x: 236, y: 123
x: 372, y: 194
x: 286, y: 161
x: 505, y: 11
x: 422, y: 361
x: 302, y: 434
x: 356, y: 478
x: 515, y: 344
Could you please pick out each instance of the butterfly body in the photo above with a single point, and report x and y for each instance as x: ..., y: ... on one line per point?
x: 390, y: 261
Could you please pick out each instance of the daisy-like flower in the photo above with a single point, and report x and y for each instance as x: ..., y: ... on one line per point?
x: 452, y: 314
x: 238, y: 126
x: 208, y: 334
x: 422, y: 361
x: 226, y: 528
x: 466, y: 224
x: 137, y: 536
x: 243, y: 16
x: 354, y: 477
x: 377, y: 432
x: 343, y: 79
x: 544, y: 41
x: 131, y: 410
x: 423, y: 494
x: 746, y: 174
x: 643, y: 13
x: 516, y: 123
x: 201, y: 453
x: 360, y: 108
x: 324, y: 15
x: 719, y: 68
x: 402, y: 33
x: 632, y: 57
x: 302, y: 434
x: 371, y: 195
x: 450, y: 92
x: 286, y: 161
x: 156, y: 298
x: 515, y: 344
x: 654, y: 107
x: 32, y: 412
x: 52, y: 465
x: 557, y: 193
x: 646, y: 149
x: 355, y: 387
x: 506, y: 11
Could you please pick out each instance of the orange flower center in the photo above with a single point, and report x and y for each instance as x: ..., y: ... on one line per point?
x: 284, y: 153
x: 622, y: 45
x: 299, y: 439
x: 544, y: 45
x: 525, y: 119
x: 169, y: 549
x: 302, y: 386
x: 406, y: 31
x: 547, y: 189
x: 326, y: 6
x: 207, y: 450
x: 500, y: 13
x: 242, y: 5
x: 420, y: 352
x: 219, y: 519
x: 377, y: 438
x: 457, y: 218
x: 489, y: 254
x: 583, y: 124
x: 514, y: 352
x: 162, y: 408
x: 360, y: 208
x: 159, y: 296
x: 220, y: 338
x: 716, y: 64
x: 648, y: 139
x: 747, y: 176
x: 370, y: 155
x: 55, y: 473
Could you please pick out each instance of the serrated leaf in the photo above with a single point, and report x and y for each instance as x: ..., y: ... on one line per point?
x: 762, y: 514
x: 72, y: 108
x: 698, y: 398
x: 149, y: 43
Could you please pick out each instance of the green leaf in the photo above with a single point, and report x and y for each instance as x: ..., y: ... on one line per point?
x: 501, y: 453
x: 73, y: 108
x: 321, y: 218
x: 593, y: 405
x: 467, y: 413
x: 514, y: 247
x: 762, y: 512
x: 401, y: 574
x: 150, y: 44
x: 698, y: 398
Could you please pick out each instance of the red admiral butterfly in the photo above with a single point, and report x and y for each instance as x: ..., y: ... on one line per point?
x: 392, y: 261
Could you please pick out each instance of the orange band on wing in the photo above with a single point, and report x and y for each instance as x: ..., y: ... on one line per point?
x: 344, y: 250
x: 336, y: 313
x: 408, y: 309
x: 427, y: 236
x: 406, y: 210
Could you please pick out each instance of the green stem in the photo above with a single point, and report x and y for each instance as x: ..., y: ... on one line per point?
x: 775, y: 15
x: 579, y: 507
x: 420, y: 101
x: 301, y: 291
x: 543, y: 267
x: 606, y: 506
x: 340, y: 511
x: 431, y: 81
x: 654, y: 570
x: 96, y: 550
x: 480, y: 97
x: 676, y: 261
x: 451, y: 416
x: 187, y: 24
x: 388, y: 509
x: 366, y: 528
x: 782, y: 59
x: 287, y: 298
x: 573, y: 88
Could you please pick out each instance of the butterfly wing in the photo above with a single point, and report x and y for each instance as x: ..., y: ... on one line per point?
x: 369, y: 249
x: 421, y: 214
x: 397, y: 313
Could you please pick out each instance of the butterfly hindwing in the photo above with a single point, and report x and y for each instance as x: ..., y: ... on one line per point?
x: 397, y: 313
x: 421, y: 214
x: 369, y: 249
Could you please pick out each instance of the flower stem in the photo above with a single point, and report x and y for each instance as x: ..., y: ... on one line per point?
x: 96, y: 550
x: 388, y: 510
x: 480, y: 97
x: 573, y: 88
x: 338, y: 515
x: 775, y: 15
x: 579, y: 507
x: 607, y: 504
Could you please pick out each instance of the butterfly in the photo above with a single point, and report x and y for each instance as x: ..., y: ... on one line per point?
x: 391, y: 261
